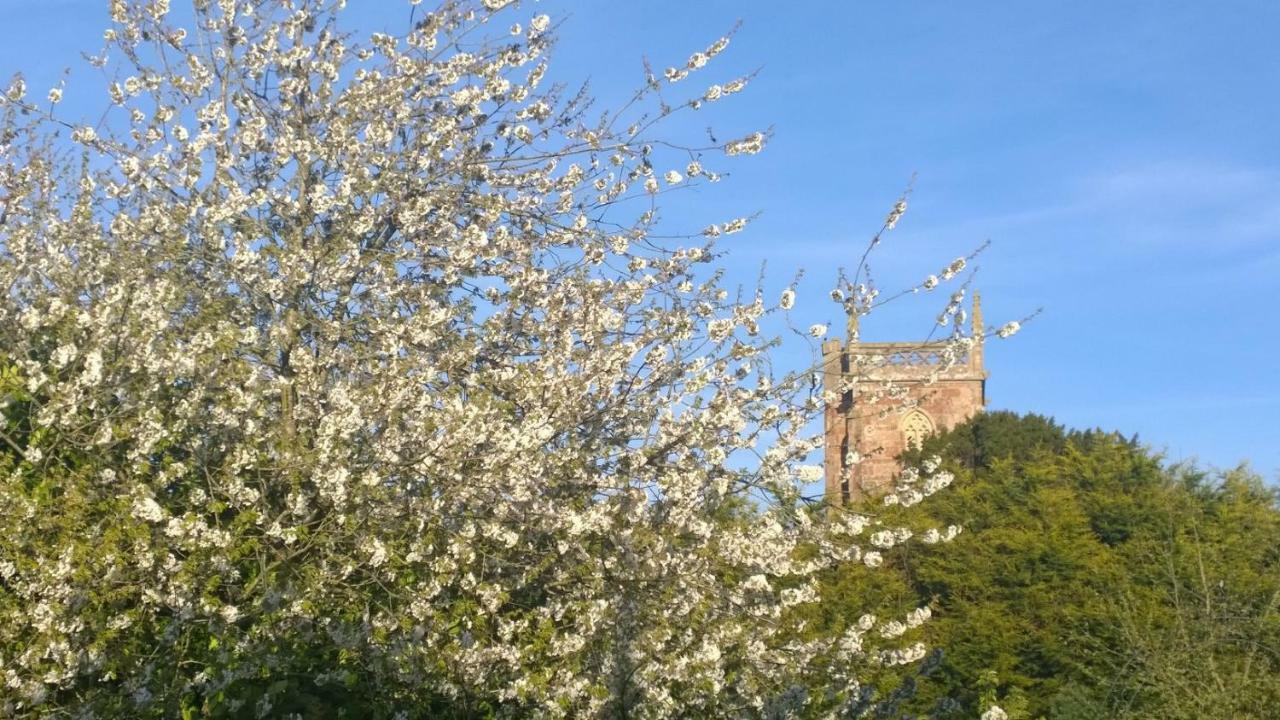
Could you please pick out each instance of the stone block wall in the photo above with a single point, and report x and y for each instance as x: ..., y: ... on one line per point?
x: 882, y: 396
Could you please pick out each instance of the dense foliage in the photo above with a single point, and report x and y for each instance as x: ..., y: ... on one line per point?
x: 1093, y: 581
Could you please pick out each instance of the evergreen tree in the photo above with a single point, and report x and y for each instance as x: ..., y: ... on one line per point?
x: 1092, y: 580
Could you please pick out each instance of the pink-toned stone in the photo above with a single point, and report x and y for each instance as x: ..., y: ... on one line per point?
x: 877, y: 428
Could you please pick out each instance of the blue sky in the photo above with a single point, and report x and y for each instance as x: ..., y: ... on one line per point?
x: 1122, y: 157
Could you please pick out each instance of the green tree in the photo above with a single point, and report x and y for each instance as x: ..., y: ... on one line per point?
x: 1198, y: 626
x: 1092, y: 581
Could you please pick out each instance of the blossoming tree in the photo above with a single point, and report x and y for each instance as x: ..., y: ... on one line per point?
x: 348, y: 373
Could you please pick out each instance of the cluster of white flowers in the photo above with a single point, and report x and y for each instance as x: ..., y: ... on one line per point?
x: 995, y: 712
x: 788, y: 299
x: 899, y: 209
x: 932, y: 536
x: 327, y: 347
x: 749, y: 145
x: 913, y: 620
x: 733, y: 226
x: 716, y: 92
x: 903, y: 656
x: 885, y: 539
x: 17, y: 89
x: 947, y: 273
x: 910, y: 488
x: 954, y: 311
x: 809, y: 473
x: 954, y: 268
x: 697, y: 61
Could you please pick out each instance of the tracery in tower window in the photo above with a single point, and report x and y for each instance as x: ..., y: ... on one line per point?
x: 916, y: 426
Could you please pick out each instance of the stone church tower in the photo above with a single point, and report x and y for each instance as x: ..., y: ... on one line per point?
x: 902, y: 394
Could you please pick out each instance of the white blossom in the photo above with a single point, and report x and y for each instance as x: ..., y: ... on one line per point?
x: 899, y: 209
x: 749, y: 145
x: 1009, y: 329
x: 148, y: 509
x: 809, y: 473
x: 995, y: 713
x: 368, y: 345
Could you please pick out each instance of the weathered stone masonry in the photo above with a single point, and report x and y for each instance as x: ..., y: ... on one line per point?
x: 904, y: 392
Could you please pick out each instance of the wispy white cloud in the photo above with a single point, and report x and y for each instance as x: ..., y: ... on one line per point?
x: 1182, y: 180
x: 1170, y: 201
x: 1187, y: 207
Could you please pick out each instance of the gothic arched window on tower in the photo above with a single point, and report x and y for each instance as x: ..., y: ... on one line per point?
x: 916, y: 426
